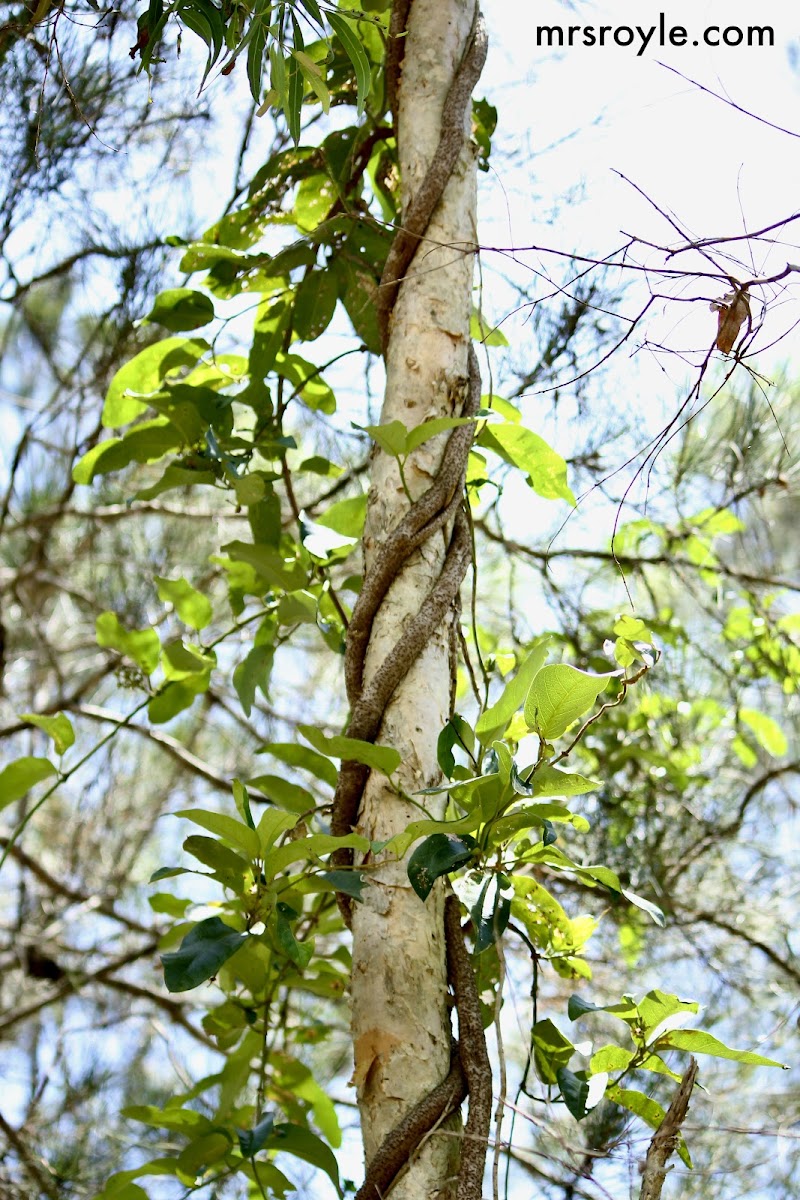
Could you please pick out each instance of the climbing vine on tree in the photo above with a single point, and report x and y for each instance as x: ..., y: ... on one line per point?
x: 220, y: 399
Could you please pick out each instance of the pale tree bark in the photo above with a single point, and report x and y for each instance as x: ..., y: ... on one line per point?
x: 401, y: 1025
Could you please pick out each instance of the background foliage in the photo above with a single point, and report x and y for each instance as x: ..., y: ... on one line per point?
x: 183, y: 499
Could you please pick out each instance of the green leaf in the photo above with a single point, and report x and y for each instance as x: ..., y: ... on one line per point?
x: 179, y: 309
x: 145, y: 373
x: 314, y: 304
x: 649, y: 1110
x: 229, y: 866
x: 551, y: 1050
x: 174, y: 477
x: 696, y: 1041
x: 294, y: 96
x: 295, y: 755
x: 577, y: 1007
x: 140, y: 645
x: 236, y: 832
x: 253, y: 1140
x: 559, y: 695
x: 481, y: 331
x: 201, y: 954
x: 437, y: 855
x: 202, y: 1151
x: 610, y: 1057
x: 146, y: 442
x: 355, y: 52
x: 391, y: 437
x: 58, y: 727
x: 768, y: 733
x: 346, y: 517
x: 242, y: 802
x: 351, y: 883
x: 255, y: 57
x: 647, y: 906
x: 305, y: 849
x: 253, y: 672
x: 174, y: 699
x: 429, y: 429
x: 193, y: 608
x: 284, y: 793
x: 523, y: 448
x: 20, y: 776
x: 297, y: 952
x: 574, y: 1090
x: 455, y: 733
x: 303, y: 1144
x: 176, y: 1119
x: 493, y: 721
x: 379, y: 758
x: 491, y: 913
x: 550, y: 781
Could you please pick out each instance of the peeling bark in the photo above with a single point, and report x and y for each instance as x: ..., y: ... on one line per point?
x: 401, y: 1024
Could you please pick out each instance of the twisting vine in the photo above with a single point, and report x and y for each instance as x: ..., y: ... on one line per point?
x: 439, y: 509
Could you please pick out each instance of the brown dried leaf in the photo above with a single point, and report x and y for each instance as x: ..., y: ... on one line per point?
x: 732, y: 312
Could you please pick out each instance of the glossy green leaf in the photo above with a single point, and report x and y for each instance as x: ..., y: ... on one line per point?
x: 480, y: 330
x: 379, y: 758
x: 144, y: 443
x: 355, y: 52
x: 346, y: 517
x: 649, y: 1110
x: 142, y: 646
x: 253, y: 1140
x: 455, y: 733
x: 180, y: 309
x: 285, y: 793
x: 229, y: 866
x: 559, y: 695
x: 523, y: 448
x: 647, y: 906
x: 491, y: 913
x: 176, y: 477
x: 203, y: 1151
x: 302, y: 1143
x: 309, y: 848
x: 551, y: 1050
x: 193, y: 608
x: 575, y: 1092
x: 144, y: 373
x: 550, y: 781
x: 351, y: 883
x: 20, y: 776
x: 294, y: 96
x: 57, y: 727
x: 201, y: 954
x: 608, y: 1058
x: 176, y: 1119
x: 236, y: 832
x: 578, y: 1007
x: 695, y: 1041
x: 253, y: 672
x: 296, y: 755
x: 436, y: 856
x: 314, y: 304
x: 493, y: 721
x: 242, y: 801
x: 174, y: 698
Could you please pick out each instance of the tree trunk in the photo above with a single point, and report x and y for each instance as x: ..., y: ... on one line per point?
x: 401, y: 1023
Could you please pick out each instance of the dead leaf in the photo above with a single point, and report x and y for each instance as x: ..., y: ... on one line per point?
x: 732, y: 312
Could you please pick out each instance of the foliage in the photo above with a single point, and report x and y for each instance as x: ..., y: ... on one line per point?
x: 225, y: 408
